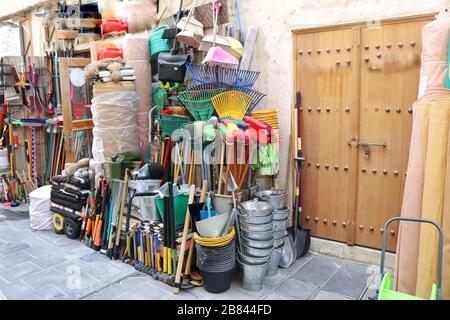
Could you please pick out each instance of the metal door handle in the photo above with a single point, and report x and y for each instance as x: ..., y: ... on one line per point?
x: 366, y: 146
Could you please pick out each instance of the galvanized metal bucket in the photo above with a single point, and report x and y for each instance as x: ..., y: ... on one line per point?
x: 257, y: 235
x: 244, y: 218
x: 276, y: 198
x: 272, y: 268
x: 252, y: 275
x: 281, y: 214
x: 255, y: 208
x: 223, y: 203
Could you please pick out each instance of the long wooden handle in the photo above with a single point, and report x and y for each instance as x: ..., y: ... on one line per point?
x: 187, y: 220
x: 191, y: 247
x: 247, y: 166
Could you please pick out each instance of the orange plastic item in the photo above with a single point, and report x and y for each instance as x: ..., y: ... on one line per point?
x: 104, y: 53
x: 114, y: 26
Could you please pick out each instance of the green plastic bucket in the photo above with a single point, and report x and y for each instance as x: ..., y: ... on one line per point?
x: 180, y: 204
x: 157, y: 44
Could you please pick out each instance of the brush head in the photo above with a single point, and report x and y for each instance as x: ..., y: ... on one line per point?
x: 188, y: 38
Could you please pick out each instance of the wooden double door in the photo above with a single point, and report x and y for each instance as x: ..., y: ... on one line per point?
x: 358, y: 84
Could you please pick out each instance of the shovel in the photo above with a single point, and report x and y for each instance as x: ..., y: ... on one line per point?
x: 302, y: 236
x: 299, y: 239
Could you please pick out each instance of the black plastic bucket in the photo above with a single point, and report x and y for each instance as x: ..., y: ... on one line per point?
x: 217, y: 282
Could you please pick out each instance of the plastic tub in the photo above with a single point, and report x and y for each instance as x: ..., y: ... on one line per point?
x: 157, y: 44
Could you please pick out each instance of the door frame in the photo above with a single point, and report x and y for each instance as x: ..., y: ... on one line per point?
x: 355, y: 126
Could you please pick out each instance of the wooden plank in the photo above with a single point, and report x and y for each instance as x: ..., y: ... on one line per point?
x: 83, y: 23
x: 66, y: 34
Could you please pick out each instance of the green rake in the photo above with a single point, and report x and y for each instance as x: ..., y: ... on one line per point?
x: 198, y: 102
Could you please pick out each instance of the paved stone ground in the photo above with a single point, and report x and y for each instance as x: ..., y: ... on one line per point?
x: 44, y: 265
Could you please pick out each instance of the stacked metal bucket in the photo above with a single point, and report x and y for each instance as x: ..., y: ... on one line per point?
x: 277, y: 199
x: 255, y: 242
x: 262, y: 227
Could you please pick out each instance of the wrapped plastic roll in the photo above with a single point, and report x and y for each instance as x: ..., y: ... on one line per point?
x: 115, y: 125
x: 140, y: 14
x: 143, y: 83
x: 143, y: 127
x: 136, y: 47
x: 435, y: 56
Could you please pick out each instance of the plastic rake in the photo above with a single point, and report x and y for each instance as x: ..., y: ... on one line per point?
x: 202, y: 74
x: 198, y: 102
x: 232, y: 104
x: 256, y: 97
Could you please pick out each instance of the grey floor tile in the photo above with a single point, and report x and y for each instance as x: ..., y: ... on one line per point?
x: 108, y: 293
x: 277, y: 296
x: 70, y: 265
x: 3, y: 282
x: 15, y: 259
x: 318, y: 270
x: 104, y: 272
x: 15, y: 290
x: 43, y: 278
x: 111, y: 291
x: 76, y: 250
x: 325, y: 295
x: 35, y: 241
x: 299, y: 263
x: 275, y: 280
x: 297, y: 289
x: 50, y: 261
x: 19, y: 271
x: 77, y: 285
x: 42, y: 250
x: 49, y: 292
x: 350, y: 280
x: 13, y: 248
x: 94, y: 257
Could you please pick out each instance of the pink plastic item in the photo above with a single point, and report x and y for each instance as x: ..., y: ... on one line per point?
x: 216, y: 56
